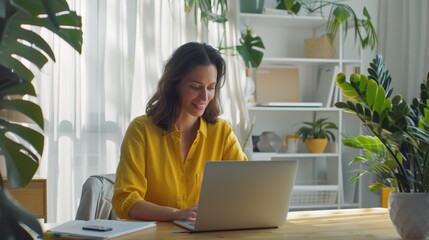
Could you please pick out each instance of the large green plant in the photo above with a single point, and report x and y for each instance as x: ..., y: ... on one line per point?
x: 250, y: 46
x: 340, y: 14
x: 398, y: 149
x: 22, y: 146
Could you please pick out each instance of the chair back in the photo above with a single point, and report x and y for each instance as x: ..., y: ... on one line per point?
x: 96, y: 198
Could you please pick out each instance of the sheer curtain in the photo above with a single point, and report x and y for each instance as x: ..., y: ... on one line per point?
x: 404, y: 36
x: 88, y: 100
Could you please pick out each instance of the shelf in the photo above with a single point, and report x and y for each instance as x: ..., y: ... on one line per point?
x: 316, y: 187
x: 294, y: 109
x: 308, y: 207
x: 295, y: 61
x: 274, y: 20
x: 350, y: 205
x: 284, y: 37
x: 269, y: 155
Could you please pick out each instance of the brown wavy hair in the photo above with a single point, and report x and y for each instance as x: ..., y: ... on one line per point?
x: 164, y: 106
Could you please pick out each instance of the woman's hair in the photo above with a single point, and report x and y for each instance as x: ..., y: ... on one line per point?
x: 164, y: 106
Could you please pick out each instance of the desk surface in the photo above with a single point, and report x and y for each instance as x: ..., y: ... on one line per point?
x: 366, y: 223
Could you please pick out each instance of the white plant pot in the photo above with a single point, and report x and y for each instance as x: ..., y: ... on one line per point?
x: 409, y: 213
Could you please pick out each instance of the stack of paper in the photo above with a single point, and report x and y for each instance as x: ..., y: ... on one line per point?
x: 74, y: 228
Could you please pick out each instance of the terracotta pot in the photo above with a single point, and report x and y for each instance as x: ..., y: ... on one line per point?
x: 316, y: 145
x: 409, y: 213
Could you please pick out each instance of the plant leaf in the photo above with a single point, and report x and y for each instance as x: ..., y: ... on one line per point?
x: 250, y: 49
x: 21, y: 42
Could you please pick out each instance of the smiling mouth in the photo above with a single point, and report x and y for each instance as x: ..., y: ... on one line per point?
x: 200, y: 106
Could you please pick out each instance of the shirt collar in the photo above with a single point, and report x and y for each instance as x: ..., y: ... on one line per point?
x: 202, y: 129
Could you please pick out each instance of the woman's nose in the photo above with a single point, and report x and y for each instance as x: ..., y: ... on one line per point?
x: 204, y: 94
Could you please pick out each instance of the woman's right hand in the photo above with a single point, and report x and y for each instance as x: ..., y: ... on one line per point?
x: 186, y: 214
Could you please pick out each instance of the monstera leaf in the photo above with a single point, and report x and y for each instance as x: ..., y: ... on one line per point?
x: 21, y: 146
x: 21, y: 120
x: 18, y: 41
x: 250, y: 49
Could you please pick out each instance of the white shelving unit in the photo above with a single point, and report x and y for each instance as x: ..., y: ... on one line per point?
x: 320, y: 179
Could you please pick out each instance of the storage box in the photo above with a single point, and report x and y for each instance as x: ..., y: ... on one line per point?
x: 277, y: 84
x: 314, y: 197
x: 319, y: 47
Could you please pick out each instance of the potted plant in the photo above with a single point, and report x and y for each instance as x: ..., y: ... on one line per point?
x: 317, y: 133
x: 250, y: 46
x: 340, y: 14
x: 20, y: 145
x: 291, y: 6
x: 397, y: 148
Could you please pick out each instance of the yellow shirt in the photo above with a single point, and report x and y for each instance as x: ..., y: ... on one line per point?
x: 151, y: 166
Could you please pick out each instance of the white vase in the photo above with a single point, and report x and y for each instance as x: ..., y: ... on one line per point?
x: 409, y: 213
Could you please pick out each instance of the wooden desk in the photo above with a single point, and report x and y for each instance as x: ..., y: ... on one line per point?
x: 369, y: 223
x: 32, y: 197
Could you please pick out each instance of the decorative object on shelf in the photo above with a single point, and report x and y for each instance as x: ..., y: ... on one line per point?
x: 16, y: 43
x: 292, y: 143
x: 270, y: 142
x: 398, y: 148
x: 250, y: 87
x: 252, y: 6
x: 318, y: 129
x: 319, y: 47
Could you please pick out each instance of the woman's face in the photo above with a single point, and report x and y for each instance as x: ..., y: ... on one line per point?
x: 197, y: 89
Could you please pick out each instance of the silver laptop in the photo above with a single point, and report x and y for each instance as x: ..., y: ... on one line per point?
x: 244, y: 195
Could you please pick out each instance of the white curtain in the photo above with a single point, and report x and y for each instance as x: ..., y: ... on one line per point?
x: 404, y: 37
x: 88, y: 100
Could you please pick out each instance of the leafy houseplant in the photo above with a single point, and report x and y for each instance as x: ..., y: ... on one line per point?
x: 250, y: 46
x: 291, y: 6
x: 319, y: 130
x: 398, y: 148
x: 339, y: 14
x: 20, y: 145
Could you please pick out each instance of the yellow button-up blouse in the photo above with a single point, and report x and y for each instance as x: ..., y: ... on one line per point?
x: 151, y: 167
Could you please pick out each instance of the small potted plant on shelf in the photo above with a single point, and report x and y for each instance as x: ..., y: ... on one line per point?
x: 317, y: 133
x: 397, y: 148
x: 291, y: 6
x: 339, y: 14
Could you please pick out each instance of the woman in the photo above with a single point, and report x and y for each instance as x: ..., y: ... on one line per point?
x: 163, y: 153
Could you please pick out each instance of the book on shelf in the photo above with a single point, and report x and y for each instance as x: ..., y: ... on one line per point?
x: 326, y: 86
x: 75, y: 228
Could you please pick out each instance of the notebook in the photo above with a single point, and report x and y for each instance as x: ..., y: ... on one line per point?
x: 244, y: 195
x: 76, y: 228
